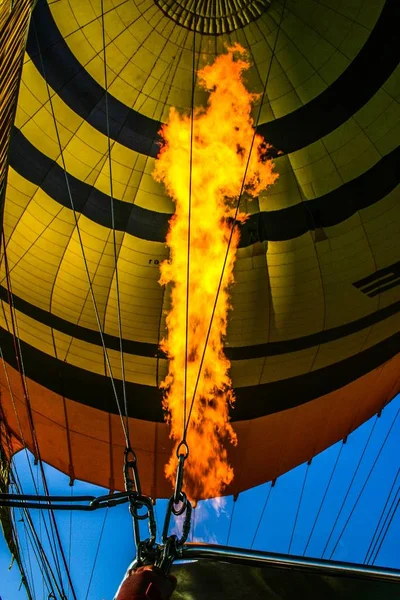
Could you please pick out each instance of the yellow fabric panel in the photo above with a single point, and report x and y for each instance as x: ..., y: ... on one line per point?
x: 369, y: 13
x: 82, y: 354
x: 244, y: 372
x: 30, y: 331
x: 378, y: 209
x: 278, y: 367
x: 316, y: 173
x: 153, y: 43
x: 85, y: 150
x: 45, y: 245
x: 249, y: 319
x: 285, y: 191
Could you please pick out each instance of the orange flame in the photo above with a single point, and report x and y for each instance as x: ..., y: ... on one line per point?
x: 217, y: 154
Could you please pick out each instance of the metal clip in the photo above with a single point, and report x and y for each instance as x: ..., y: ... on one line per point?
x: 170, y: 552
x: 186, y: 523
x: 145, y: 550
x: 132, y: 483
x: 178, y: 483
x: 110, y: 500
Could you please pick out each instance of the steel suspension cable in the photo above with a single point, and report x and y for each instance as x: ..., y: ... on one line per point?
x: 365, y: 483
x: 375, y: 535
x: 20, y: 364
x: 262, y: 514
x: 125, y: 400
x: 21, y: 369
x: 324, y: 498
x: 189, y: 222
x: 395, y: 506
x: 234, y: 221
x: 299, y: 506
x: 51, y: 539
x: 230, y: 522
x: 349, y: 486
x: 79, y: 234
x: 36, y: 543
x: 97, y: 553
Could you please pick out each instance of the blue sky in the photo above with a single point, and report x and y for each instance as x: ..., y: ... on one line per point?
x: 269, y: 519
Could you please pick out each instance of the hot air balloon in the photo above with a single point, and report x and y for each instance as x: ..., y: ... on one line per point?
x: 309, y: 340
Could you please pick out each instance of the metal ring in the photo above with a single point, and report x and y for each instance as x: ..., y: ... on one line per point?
x: 130, y: 451
x: 179, y: 511
x: 134, y: 511
x: 182, y: 445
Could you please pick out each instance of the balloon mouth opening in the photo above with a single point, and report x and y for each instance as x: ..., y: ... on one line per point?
x: 201, y: 18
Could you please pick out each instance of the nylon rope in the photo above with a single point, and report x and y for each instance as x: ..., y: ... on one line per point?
x: 228, y: 537
x: 24, y: 577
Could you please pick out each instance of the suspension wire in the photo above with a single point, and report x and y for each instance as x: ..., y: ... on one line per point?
x: 376, y: 535
x: 37, y: 543
x: 262, y: 514
x: 193, y: 526
x: 365, y: 483
x: 79, y: 234
x: 394, y: 506
x: 21, y: 368
x: 230, y: 522
x: 22, y: 558
x: 28, y: 537
x: 70, y: 539
x: 299, y: 506
x: 189, y: 221
x: 324, y: 498
x: 50, y: 538
x: 97, y: 553
x: 43, y: 562
x: 349, y: 486
x: 121, y: 349
x: 233, y: 223
x: 40, y: 517
x: 29, y: 562
x: 40, y: 556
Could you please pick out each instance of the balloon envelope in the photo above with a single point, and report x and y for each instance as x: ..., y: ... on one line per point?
x: 313, y: 335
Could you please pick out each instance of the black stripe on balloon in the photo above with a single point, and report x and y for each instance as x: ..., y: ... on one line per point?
x: 365, y: 75
x: 81, y: 92
x: 233, y: 353
x: 284, y: 224
x: 251, y: 402
x: 39, y: 169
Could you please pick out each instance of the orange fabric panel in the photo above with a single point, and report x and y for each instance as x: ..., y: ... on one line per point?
x: 91, y: 446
